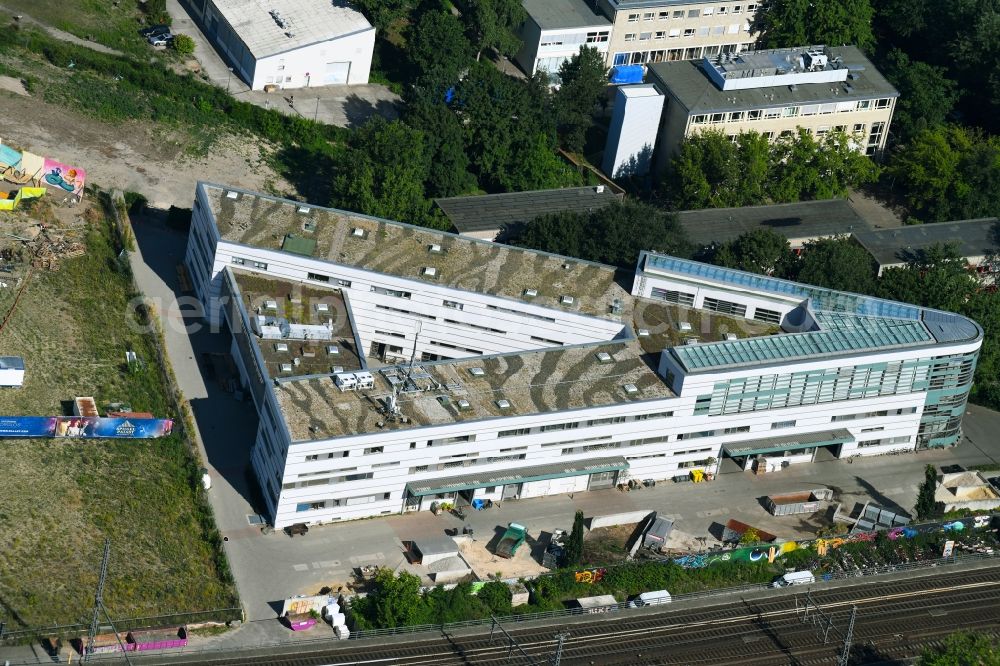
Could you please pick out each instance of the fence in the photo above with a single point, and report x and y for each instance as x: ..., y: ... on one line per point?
x: 67, y: 631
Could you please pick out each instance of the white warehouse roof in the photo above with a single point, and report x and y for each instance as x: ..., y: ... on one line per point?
x: 270, y: 27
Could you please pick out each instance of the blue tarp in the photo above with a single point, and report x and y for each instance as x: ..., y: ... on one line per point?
x: 627, y: 74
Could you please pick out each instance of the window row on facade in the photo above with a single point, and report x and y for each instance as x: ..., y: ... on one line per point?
x: 677, y: 14
x: 792, y: 112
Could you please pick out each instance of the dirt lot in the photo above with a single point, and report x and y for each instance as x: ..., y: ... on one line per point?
x: 136, y: 156
x: 526, y: 561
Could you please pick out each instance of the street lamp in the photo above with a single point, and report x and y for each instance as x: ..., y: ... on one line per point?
x: 229, y: 78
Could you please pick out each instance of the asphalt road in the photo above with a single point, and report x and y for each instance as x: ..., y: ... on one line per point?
x: 895, y: 619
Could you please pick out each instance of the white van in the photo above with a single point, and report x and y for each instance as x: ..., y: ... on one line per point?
x: 650, y: 599
x: 795, y: 578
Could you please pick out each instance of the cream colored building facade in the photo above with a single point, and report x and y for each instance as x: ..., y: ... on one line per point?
x: 651, y: 31
x: 847, y: 94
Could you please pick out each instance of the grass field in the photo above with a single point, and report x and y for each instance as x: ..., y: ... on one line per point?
x: 59, y: 500
x: 113, y: 24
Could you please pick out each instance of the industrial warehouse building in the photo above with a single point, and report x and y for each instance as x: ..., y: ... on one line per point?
x: 394, y: 366
x: 288, y: 43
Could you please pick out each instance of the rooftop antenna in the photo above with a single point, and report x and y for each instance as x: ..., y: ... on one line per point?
x: 99, y: 606
x: 393, y: 405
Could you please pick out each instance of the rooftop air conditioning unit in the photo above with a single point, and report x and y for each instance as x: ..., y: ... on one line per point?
x: 286, y: 367
x: 336, y: 369
x: 630, y: 389
x: 567, y: 300
x: 683, y: 326
x: 232, y: 195
x: 503, y: 404
x: 603, y: 357
x: 358, y: 232
x: 463, y: 404
x: 730, y: 336
x: 304, y: 210
x: 433, y: 247
x: 366, y: 380
x: 430, y: 271
x: 531, y: 293
x: 346, y: 381
x: 332, y: 350
x: 691, y: 341
x: 280, y: 346
x: 477, y: 372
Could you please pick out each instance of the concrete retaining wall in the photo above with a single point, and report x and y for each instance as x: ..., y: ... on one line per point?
x: 612, y: 519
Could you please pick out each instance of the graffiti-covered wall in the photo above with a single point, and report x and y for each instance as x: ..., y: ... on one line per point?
x: 32, y: 172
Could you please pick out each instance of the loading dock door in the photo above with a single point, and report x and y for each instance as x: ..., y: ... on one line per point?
x: 336, y: 73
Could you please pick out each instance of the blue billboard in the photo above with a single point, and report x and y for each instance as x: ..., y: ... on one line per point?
x: 84, y: 427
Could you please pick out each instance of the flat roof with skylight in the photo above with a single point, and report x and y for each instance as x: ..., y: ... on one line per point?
x: 407, y: 251
x: 446, y: 392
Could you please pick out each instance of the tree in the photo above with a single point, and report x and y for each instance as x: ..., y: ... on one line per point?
x: 963, y: 648
x: 392, y: 601
x: 750, y: 537
x: 936, y: 277
x: 573, y: 550
x: 496, y: 596
x: 791, y: 23
x: 927, y: 507
x: 183, y: 44
x: 613, y: 235
x: 445, y: 143
x: 584, y: 79
x: 837, y: 263
x: 437, y: 43
x: 808, y: 168
x: 382, y: 172
x: 763, y: 251
x: 493, y: 24
x: 926, y: 94
x: 383, y: 13
x: 703, y: 173
x: 949, y: 173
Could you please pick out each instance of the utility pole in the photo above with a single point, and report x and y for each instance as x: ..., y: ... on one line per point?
x: 845, y: 656
x: 557, y: 657
x: 99, y: 606
x: 511, y: 642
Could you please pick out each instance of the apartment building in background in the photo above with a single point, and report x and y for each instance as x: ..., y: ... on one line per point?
x: 393, y: 366
x: 775, y: 92
x: 556, y: 30
x: 652, y: 31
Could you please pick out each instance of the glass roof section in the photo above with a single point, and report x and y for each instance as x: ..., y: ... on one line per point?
x: 841, y: 334
x: 822, y: 299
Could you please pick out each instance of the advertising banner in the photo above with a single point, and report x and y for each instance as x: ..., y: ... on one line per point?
x: 92, y: 427
x: 64, y: 176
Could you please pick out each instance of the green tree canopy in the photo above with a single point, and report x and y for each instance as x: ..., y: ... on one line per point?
x: 938, y: 277
x: 437, y: 44
x: 613, y: 235
x: 763, y: 251
x: 445, y: 143
x: 584, y: 80
x: 949, y: 173
x: 392, y: 601
x: 711, y: 171
x: 790, y: 23
x: 493, y: 24
x: 926, y: 508
x: 496, y: 596
x: 837, y: 263
x: 382, y: 13
x: 926, y: 94
x: 382, y: 173
x: 963, y: 648
x: 573, y: 549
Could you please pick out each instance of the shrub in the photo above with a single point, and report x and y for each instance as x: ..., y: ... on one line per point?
x: 183, y: 44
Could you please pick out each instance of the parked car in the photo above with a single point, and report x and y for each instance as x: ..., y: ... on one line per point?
x: 162, y: 39
x: 151, y: 30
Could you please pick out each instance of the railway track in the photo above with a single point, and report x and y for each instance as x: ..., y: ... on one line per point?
x: 895, y: 620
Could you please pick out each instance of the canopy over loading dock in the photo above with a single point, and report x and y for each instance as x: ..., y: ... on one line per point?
x: 788, y: 444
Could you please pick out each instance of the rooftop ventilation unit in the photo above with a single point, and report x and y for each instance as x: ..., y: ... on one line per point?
x: 568, y: 265
x: 503, y: 404
x: 691, y: 341
x: 603, y: 357
x: 683, y: 326
x: 433, y: 247
x: 297, y: 361
x: 336, y: 368
x: 463, y: 404
x: 531, y: 293
x: 366, y: 380
x: 304, y: 210
x: 322, y: 307
x: 232, y: 195
x: 346, y: 381
x: 730, y: 336
x: 430, y: 271
x: 616, y: 306
x: 358, y: 232
x: 332, y: 350
x: 477, y: 372
x: 643, y: 332
x: 286, y: 367
x: 280, y: 346
x: 599, y: 189
x: 630, y: 389
x: 567, y: 300
x: 270, y: 305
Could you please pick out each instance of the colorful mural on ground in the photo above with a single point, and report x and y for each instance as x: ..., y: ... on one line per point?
x: 84, y: 427
x: 35, y: 174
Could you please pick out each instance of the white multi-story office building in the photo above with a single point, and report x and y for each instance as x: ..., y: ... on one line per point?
x: 534, y: 374
x: 555, y: 31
